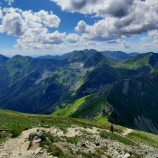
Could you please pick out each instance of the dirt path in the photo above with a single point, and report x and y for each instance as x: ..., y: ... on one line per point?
x: 18, y: 147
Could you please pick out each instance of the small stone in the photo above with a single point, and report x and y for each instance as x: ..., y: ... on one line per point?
x: 37, y: 140
x: 38, y: 150
x: 127, y: 155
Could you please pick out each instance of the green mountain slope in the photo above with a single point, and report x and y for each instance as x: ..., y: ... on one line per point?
x: 131, y: 103
x: 118, y: 55
x: 27, y: 84
x: 84, y: 85
x: 93, y: 106
x: 69, y: 110
x: 130, y: 97
x: 38, y: 85
x: 143, y: 60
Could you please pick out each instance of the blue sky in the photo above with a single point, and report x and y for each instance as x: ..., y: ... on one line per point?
x: 68, y: 20
x: 38, y: 27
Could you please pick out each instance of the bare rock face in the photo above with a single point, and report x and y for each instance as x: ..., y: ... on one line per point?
x: 145, y: 124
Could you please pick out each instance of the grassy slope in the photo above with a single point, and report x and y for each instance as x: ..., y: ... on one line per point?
x: 66, y: 76
x: 86, y: 106
x: 91, y: 107
x: 135, y: 62
x: 17, y: 122
x: 146, y: 138
x: 69, y: 110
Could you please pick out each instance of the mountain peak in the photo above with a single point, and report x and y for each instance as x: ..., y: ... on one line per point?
x: 17, y: 56
x: 94, y: 60
x: 3, y: 59
x: 79, y: 56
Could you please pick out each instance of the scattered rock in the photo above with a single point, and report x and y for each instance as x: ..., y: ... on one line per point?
x: 38, y: 151
x: 37, y: 140
x: 127, y: 155
x: 89, y: 143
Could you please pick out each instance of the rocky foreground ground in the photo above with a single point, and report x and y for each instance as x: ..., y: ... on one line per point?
x: 73, y: 142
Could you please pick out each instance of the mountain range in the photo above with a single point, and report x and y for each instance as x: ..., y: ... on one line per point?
x: 86, y: 84
x: 115, y: 55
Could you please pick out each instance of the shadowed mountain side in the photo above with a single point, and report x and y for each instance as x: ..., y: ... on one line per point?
x: 3, y: 59
x: 134, y: 103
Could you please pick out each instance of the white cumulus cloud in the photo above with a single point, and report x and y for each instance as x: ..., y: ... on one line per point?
x: 99, y: 7
x: 16, y: 21
x: 40, y: 38
x: 119, y: 18
x: 73, y: 38
x: 31, y: 28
